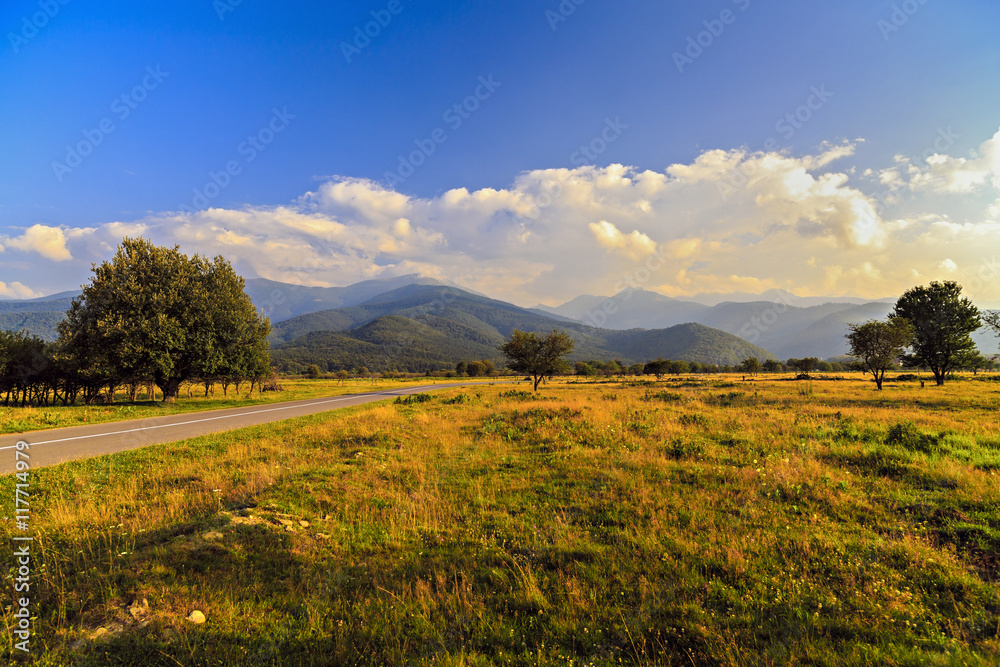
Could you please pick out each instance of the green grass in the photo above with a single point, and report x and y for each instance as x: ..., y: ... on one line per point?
x: 593, y: 524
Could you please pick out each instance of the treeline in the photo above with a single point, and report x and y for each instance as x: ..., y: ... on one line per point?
x: 34, y: 372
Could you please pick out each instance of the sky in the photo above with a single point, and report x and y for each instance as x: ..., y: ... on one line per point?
x: 530, y: 150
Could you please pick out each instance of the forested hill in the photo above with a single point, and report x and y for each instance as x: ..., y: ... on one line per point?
x: 420, y: 327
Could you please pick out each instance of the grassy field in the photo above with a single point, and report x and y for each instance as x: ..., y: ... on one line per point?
x: 687, y: 522
x: 21, y: 420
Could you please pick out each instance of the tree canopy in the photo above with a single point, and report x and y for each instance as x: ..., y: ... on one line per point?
x: 877, y: 345
x: 537, y: 355
x: 152, y: 313
x: 942, y: 323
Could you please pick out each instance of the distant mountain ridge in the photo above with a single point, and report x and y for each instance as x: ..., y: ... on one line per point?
x: 783, y: 323
x: 425, y: 327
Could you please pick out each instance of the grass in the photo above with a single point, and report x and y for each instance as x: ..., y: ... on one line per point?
x: 21, y: 420
x: 609, y: 523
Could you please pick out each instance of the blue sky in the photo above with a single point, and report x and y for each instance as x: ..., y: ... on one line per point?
x: 828, y: 110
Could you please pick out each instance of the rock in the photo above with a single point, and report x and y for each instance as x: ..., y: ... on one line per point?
x: 196, y: 617
x: 138, y: 608
x: 322, y: 536
x: 98, y: 633
x: 304, y: 524
x: 286, y: 522
x: 212, y: 535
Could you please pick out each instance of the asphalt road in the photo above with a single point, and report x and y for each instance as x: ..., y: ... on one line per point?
x: 59, y: 445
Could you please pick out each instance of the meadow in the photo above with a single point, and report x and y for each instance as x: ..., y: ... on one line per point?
x: 691, y: 521
x: 20, y: 420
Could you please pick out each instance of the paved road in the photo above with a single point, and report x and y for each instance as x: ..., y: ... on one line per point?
x: 79, y: 442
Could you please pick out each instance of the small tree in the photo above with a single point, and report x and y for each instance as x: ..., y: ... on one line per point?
x: 750, y: 366
x: 877, y: 345
x: 942, y: 323
x: 475, y: 369
x: 535, y: 355
x: 312, y: 372
x: 657, y: 367
x: 461, y: 368
x: 772, y: 366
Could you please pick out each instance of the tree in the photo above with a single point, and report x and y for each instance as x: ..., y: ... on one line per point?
x: 942, y: 322
x: 750, y: 366
x: 772, y: 366
x: 877, y: 345
x: 991, y: 318
x: 460, y: 368
x: 154, y: 313
x: 475, y: 369
x: 657, y: 367
x: 312, y: 372
x: 584, y: 369
x: 535, y: 355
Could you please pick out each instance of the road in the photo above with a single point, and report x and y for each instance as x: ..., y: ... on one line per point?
x: 59, y: 445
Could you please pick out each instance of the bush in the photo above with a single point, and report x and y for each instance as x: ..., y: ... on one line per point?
x: 412, y: 398
x: 905, y: 434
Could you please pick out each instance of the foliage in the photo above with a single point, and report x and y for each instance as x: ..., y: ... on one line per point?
x: 537, y: 355
x: 750, y: 366
x: 877, y: 345
x: 152, y: 313
x: 942, y: 322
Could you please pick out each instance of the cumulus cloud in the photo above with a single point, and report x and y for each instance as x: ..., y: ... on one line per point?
x: 730, y: 220
x: 945, y: 173
x: 16, y: 290
x: 49, y: 242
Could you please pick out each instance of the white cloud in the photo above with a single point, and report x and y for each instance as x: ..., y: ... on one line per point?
x: 16, y: 290
x: 728, y: 221
x: 944, y: 173
x: 49, y: 242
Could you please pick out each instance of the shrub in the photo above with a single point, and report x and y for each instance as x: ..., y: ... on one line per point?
x: 905, y: 434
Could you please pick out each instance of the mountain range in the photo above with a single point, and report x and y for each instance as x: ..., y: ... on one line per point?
x: 425, y: 321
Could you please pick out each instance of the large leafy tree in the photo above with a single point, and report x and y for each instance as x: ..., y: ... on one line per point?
x: 535, y: 355
x: 877, y: 345
x: 153, y: 313
x: 942, y: 323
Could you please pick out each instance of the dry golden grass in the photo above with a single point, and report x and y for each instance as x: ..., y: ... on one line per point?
x: 702, y: 521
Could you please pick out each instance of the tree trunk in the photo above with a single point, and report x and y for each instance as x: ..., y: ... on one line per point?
x: 169, y: 389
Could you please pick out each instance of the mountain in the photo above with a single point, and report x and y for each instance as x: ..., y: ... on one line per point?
x: 421, y: 327
x: 37, y: 316
x: 282, y: 301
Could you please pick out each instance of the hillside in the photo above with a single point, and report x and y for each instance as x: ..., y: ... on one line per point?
x: 417, y: 328
x: 36, y: 316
